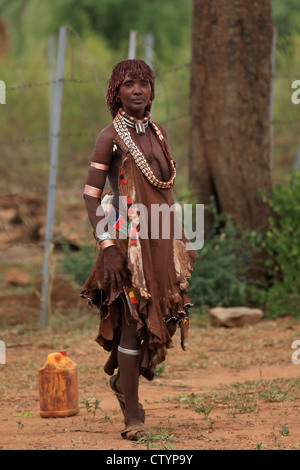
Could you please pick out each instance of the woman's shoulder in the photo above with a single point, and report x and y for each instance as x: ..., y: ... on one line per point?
x: 104, y: 144
x: 108, y: 133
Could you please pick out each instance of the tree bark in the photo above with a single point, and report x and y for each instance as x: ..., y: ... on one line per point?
x: 3, y: 39
x: 230, y: 96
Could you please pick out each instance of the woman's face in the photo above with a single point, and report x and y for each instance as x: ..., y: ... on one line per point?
x: 135, y: 94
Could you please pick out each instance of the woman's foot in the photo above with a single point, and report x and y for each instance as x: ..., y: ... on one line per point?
x: 115, y: 384
x: 134, y: 432
x: 134, y: 427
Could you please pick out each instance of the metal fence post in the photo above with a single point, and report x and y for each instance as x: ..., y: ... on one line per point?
x: 56, y: 115
x: 51, y: 74
x: 132, y: 44
x: 297, y: 161
x: 149, y: 58
x: 149, y: 49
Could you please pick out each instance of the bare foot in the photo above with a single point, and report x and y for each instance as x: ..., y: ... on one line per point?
x: 134, y: 432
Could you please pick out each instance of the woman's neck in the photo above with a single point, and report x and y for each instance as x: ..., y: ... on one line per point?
x: 140, y: 125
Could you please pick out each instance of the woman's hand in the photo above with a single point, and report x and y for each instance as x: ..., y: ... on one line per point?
x: 116, y: 271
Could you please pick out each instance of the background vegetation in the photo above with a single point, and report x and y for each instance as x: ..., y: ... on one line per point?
x: 97, y: 39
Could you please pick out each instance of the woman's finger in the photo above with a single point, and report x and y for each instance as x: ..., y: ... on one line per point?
x: 106, y: 277
x: 113, y: 282
x: 119, y: 281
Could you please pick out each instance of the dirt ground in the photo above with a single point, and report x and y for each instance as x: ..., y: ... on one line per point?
x: 231, y: 389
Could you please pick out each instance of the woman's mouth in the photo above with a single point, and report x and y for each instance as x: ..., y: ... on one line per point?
x: 138, y: 101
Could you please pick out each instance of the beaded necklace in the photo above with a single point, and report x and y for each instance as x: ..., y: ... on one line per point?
x: 140, y: 125
x: 139, y: 158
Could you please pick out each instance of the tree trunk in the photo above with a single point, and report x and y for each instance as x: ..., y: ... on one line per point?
x: 230, y: 97
x: 3, y: 39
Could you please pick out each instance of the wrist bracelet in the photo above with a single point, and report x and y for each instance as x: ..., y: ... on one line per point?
x: 104, y: 236
x: 107, y: 243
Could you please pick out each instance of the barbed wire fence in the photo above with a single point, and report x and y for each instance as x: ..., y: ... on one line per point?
x: 14, y: 195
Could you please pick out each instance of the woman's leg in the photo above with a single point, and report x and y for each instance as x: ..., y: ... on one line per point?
x: 129, y: 361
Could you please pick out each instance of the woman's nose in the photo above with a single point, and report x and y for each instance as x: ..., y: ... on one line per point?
x: 137, y: 89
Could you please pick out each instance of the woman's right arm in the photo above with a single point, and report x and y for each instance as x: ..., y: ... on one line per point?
x: 96, y: 178
x: 115, y: 270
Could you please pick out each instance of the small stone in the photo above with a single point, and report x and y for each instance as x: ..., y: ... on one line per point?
x: 17, y: 278
x: 235, y: 316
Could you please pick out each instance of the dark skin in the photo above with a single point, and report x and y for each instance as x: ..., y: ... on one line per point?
x: 134, y: 96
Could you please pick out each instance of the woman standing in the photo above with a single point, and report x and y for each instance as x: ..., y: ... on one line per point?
x: 139, y: 281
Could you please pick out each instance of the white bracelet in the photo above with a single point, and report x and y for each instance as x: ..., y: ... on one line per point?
x: 104, y: 236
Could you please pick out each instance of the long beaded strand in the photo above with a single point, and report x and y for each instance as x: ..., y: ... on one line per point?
x: 139, y: 158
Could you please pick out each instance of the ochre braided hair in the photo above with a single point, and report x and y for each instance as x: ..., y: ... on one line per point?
x: 135, y: 68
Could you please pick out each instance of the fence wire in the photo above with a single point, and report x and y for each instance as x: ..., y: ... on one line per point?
x: 29, y: 151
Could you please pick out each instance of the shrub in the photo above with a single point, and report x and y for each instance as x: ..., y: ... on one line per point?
x: 282, y: 244
x: 78, y: 265
x: 222, y: 272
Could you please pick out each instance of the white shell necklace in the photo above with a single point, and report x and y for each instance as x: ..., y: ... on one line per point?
x: 140, y: 125
x: 123, y: 132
